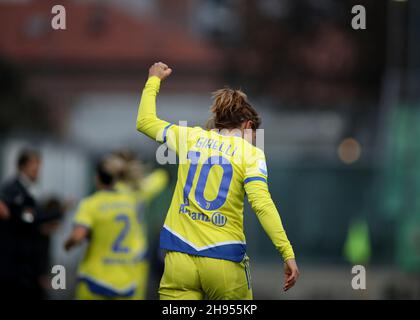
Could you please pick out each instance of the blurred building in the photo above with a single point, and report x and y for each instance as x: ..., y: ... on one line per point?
x: 105, y: 49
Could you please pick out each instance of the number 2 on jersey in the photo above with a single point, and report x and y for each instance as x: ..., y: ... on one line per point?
x: 117, y: 245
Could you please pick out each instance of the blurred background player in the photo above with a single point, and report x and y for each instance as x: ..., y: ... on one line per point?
x: 25, y: 229
x: 203, y: 230
x: 131, y: 179
x: 108, y: 220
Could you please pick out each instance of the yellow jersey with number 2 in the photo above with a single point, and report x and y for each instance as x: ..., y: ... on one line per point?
x: 109, y: 266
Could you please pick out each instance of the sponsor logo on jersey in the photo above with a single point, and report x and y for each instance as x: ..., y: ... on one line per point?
x: 218, y: 219
x: 193, y: 215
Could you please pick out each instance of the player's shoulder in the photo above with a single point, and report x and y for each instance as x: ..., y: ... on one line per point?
x: 254, y: 161
x: 194, y: 131
x: 97, y: 197
x: 251, y: 151
x: 259, y: 152
x: 128, y: 199
x: 125, y: 194
x: 89, y: 200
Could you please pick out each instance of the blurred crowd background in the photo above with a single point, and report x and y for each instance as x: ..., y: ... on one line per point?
x: 340, y: 109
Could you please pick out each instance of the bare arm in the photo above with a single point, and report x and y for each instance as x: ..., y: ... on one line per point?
x: 77, y: 236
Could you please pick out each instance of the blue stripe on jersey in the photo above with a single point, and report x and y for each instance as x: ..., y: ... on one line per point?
x: 255, y: 179
x: 233, y: 252
x: 165, y: 131
x: 105, y: 290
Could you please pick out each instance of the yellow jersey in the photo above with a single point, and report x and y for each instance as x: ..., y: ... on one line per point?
x: 148, y: 189
x: 115, y: 245
x: 215, y: 172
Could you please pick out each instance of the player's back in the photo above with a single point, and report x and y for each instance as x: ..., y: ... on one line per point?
x: 206, y: 213
x: 115, y: 240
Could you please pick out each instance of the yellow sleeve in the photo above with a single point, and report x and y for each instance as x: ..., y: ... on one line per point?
x: 256, y: 188
x: 266, y: 211
x: 84, y: 214
x: 155, y: 128
x: 153, y: 184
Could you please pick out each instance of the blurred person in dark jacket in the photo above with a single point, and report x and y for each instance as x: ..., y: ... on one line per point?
x: 25, y: 228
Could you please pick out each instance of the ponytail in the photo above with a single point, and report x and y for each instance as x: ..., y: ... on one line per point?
x: 230, y: 109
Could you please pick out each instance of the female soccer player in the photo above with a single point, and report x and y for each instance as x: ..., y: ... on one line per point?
x: 108, y: 221
x: 127, y: 171
x: 203, y: 231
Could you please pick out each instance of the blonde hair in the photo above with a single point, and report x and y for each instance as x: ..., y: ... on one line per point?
x: 230, y: 109
x: 125, y: 167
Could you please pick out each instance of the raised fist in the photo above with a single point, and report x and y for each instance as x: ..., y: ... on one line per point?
x: 160, y: 70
